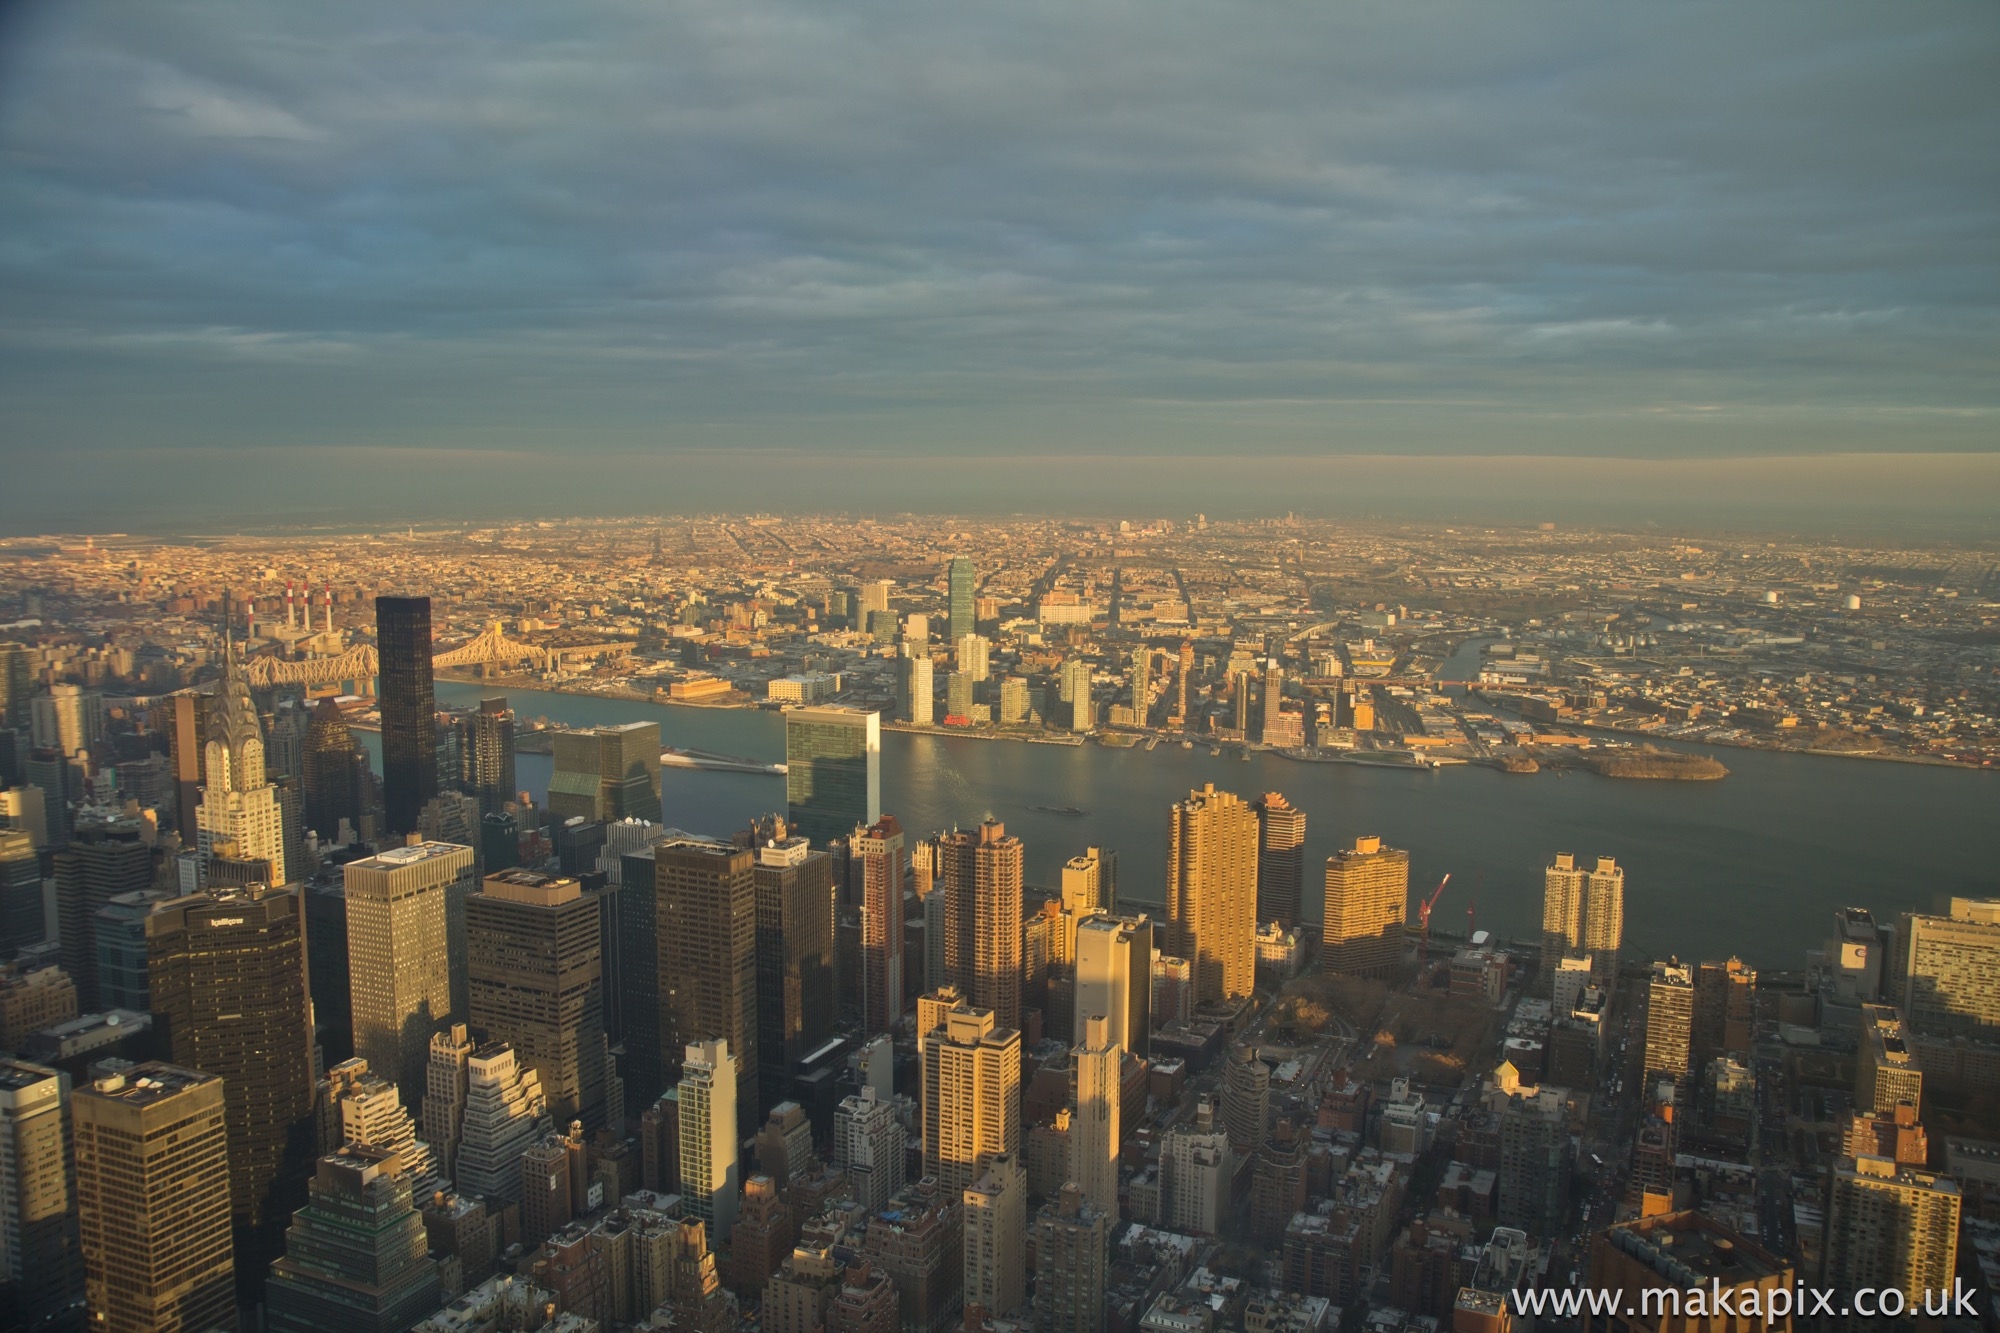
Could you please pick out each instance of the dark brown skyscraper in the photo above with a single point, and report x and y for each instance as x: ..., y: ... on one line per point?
x: 1281, y: 860
x: 187, y: 732
x: 409, y: 709
x: 980, y: 874
x: 794, y: 959
x: 227, y: 970
x: 708, y: 958
x: 104, y: 860
x: 492, y: 761
x: 332, y: 773
x: 881, y: 849
x: 536, y: 965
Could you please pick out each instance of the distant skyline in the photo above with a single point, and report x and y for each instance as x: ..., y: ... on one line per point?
x: 480, y: 260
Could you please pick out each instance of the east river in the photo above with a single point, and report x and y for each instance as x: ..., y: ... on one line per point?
x: 1754, y: 864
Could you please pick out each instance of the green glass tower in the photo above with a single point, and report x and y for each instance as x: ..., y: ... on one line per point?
x: 833, y: 771
x: 960, y: 580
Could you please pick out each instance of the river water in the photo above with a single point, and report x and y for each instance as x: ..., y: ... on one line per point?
x: 1753, y: 865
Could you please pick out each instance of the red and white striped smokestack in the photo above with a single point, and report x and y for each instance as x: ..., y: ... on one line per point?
x: 291, y: 610
x: 329, y: 608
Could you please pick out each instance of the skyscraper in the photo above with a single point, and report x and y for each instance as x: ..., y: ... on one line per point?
x: 20, y: 892
x: 914, y: 689
x: 980, y: 874
x: 38, y: 1251
x: 708, y: 958
x: 795, y: 1005
x: 333, y: 773
x: 1071, y: 1237
x: 1281, y: 860
x: 1725, y: 1011
x: 608, y: 774
x: 186, y: 725
x: 1080, y: 715
x: 708, y: 1126
x: 1563, y: 885
x: 958, y: 582
x: 1212, y: 892
x: 537, y: 982
x: 1367, y: 897
x: 409, y: 709
x: 1952, y: 966
x: 356, y: 1256
x: 1885, y: 1068
x: 972, y: 1095
x: 239, y: 806
x: 881, y: 849
x: 227, y: 969
x: 1114, y: 978
x: 367, y: 1109
x: 152, y: 1161
x: 833, y: 771
x: 1669, y: 1026
x: 1890, y: 1227
x: 446, y: 1088
x: 399, y: 906
x: 505, y: 1112
x: 1604, y: 917
x: 973, y: 656
x: 491, y: 771
x: 1095, y: 1132
x: 103, y: 861
x: 868, y: 1144
x: 996, y: 1235
x: 1142, y: 685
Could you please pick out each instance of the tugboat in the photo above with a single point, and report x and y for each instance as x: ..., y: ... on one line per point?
x: 1058, y: 809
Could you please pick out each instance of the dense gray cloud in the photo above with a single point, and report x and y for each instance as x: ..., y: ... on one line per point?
x: 998, y: 230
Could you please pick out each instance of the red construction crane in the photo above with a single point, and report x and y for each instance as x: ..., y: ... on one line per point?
x: 1424, y: 908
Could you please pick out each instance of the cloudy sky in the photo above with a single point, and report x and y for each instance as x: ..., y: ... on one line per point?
x: 275, y: 259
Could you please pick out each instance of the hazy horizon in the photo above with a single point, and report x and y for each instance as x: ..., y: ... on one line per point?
x: 1694, y: 264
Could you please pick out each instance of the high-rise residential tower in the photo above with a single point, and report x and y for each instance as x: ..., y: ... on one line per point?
x: 1281, y: 860
x: 1604, y: 917
x: 795, y: 1004
x: 1891, y: 1227
x: 972, y: 1095
x: 1212, y: 892
x: 833, y: 771
x: 227, y: 970
x: 1563, y: 884
x: 708, y: 1135
x: 915, y: 692
x: 492, y: 768
x: 409, y: 709
x: 881, y: 849
x: 868, y: 1144
x: 959, y: 582
x: 980, y: 874
x: 1095, y: 1132
x: 399, y: 909
x: 152, y: 1162
x: 1669, y: 1026
x: 707, y: 896
x: 1367, y: 897
x: 996, y: 1236
x: 1114, y: 978
x: 537, y: 982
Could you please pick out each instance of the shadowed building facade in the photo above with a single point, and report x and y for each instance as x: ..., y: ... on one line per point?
x: 227, y: 971
x: 408, y: 700
x: 1367, y: 897
x: 707, y: 904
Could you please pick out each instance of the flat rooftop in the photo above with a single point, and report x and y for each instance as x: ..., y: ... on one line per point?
x: 1692, y: 1249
